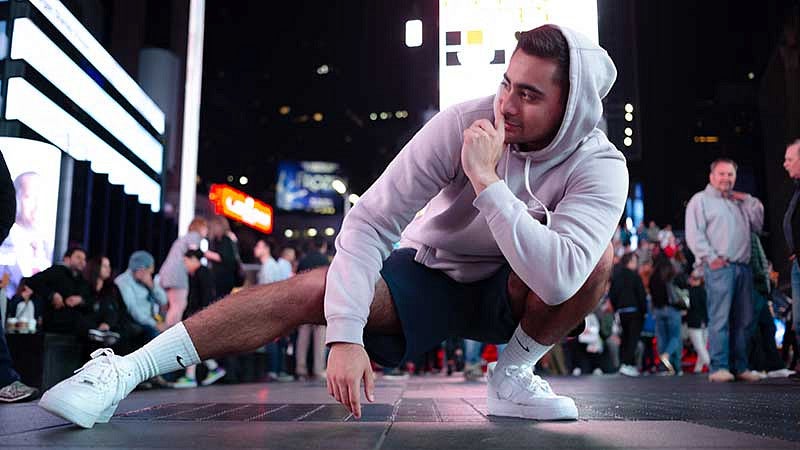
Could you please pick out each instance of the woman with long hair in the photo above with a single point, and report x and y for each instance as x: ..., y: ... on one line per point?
x: 116, y: 327
x: 668, y: 318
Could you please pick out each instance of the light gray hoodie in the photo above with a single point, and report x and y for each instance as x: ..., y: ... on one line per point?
x: 580, y: 177
x: 718, y: 226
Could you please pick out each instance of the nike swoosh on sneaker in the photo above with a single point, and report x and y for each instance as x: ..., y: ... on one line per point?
x: 520, y: 344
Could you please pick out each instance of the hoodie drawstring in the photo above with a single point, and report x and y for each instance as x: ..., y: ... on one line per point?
x: 527, y: 185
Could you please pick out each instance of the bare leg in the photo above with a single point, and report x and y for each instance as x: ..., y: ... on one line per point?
x: 549, y: 324
x: 177, y: 305
x: 261, y: 313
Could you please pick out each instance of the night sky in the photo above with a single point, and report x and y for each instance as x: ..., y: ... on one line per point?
x: 259, y: 58
x: 694, y: 59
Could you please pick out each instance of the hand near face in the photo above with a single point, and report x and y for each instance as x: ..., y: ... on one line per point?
x: 483, y: 146
x: 144, y: 277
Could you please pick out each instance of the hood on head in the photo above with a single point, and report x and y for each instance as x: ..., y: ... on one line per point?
x: 591, y: 76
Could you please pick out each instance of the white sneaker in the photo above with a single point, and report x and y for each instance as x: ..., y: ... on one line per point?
x: 473, y: 372
x: 629, y: 371
x: 94, y: 392
x: 780, y: 373
x: 520, y: 393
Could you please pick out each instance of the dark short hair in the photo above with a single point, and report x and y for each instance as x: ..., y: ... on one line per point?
x: 194, y: 253
x: 547, y: 41
x: 627, y: 257
x: 70, y: 251
x: 725, y: 161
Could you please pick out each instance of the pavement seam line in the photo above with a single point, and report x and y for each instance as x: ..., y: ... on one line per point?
x: 266, y: 413
x: 392, y: 417
x: 227, y: 411
x: 297, y: 419
x: 183, y: 412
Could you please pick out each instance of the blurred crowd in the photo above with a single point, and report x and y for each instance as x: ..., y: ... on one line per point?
x: 653, y: 319
x: 84, y: 298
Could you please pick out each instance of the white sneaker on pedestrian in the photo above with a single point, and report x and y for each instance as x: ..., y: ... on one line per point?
x: 780, y: 373
x: 473, y: 372
x: 94, y: 392
x: 629, y: 371
x: 520, y: 393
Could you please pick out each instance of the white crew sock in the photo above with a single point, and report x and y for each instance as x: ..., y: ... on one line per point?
x: 521, y: 349
x: 191, y: 372
x: 170, y: 351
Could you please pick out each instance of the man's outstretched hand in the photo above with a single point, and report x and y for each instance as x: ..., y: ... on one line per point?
x: 348, y: 364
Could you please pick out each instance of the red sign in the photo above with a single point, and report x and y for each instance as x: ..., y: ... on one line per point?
x: 239, y: 206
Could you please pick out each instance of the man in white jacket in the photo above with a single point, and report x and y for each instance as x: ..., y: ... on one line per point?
x: 522, y: 194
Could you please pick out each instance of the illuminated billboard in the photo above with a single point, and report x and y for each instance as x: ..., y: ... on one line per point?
x: 35, y: 168
x: 66, y: 89
x: 308, y: 186
x: 83, y: 41
x: 476, y: 39
x: 239, y: 206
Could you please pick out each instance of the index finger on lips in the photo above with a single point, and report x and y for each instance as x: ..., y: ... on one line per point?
x: 499, y: 118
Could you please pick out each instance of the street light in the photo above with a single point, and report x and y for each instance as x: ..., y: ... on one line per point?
x: 339, y: 186
x: 413, y: 33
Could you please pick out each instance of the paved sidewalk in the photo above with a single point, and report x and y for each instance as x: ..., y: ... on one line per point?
x: 432, y: 412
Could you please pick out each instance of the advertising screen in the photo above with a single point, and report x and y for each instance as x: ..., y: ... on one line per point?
x: 308, y: 186
x: 476, y: 39
x: 35, y: 168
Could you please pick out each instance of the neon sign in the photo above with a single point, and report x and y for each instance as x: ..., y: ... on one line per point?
x: 239, y: 206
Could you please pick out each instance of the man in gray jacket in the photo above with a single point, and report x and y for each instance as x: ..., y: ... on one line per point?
x: 141, y: 293
x: 521, y: 195
x: 719, y: 221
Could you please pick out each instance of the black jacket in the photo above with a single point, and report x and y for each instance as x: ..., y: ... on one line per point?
x: 61, y: 279
x: 111, y: 309
x: 201, y: 291
x: 8, y: 200
x: 225, y: 270
x: 312, y: 260
x: 794, y: 222
x: 627, y: 290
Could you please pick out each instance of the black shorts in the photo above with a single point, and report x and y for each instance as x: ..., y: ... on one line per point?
x: 433, y: 307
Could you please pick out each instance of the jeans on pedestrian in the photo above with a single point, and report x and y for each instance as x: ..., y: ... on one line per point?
x: 474, y: 349
x: 149, y: 333
x: 277, y: 355
x: 730, y: 310
x: 7, y: 373
x: 668, y: 334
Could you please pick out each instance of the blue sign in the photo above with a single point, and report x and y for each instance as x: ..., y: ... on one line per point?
x: 308, y: 186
